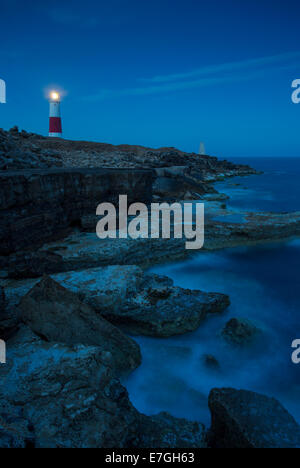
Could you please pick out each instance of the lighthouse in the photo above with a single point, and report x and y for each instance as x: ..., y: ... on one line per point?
x: 55, y: 126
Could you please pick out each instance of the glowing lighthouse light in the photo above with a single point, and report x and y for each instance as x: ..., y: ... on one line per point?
x: 55, y: 96
x: 55, y: 126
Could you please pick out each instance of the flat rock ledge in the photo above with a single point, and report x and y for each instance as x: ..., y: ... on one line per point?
x: 83, y: 250
x: 140, y: 304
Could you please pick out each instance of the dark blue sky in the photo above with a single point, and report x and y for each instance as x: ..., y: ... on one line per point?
x: 157, y: 73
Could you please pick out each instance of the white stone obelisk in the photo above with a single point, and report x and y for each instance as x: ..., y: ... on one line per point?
x: 202, y: 149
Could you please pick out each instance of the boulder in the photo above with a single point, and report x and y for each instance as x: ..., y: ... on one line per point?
x: 211, y: 362
x: 104, y: 289
x: 140, y: 304
x: 176, y: 312
x: 239, y: 331
x: 143, y: 305
x: 57, y: 315
x: 243, y: 419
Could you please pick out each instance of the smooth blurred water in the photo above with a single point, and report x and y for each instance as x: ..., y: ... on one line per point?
x: 264, y: 286
x: 277, y: 189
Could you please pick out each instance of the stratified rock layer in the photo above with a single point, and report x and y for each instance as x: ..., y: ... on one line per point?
x: 84, y: 250
x: 37, y: 206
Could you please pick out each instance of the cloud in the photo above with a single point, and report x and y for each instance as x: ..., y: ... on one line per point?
x: 115, y: 93
x: 227, y: 67
x: 222, y: 74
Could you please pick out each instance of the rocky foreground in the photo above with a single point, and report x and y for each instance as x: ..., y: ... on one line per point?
x: 70, y: 304
x: 60, y: 387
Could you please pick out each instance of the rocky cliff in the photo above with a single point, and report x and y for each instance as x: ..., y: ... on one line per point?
x: 178, y: 175
x: 41, y: 205
x: 20, y: 150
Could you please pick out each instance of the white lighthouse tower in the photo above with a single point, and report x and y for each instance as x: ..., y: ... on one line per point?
x: 55, y: 126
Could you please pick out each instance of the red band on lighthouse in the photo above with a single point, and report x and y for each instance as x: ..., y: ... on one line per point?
x: 55, y: 125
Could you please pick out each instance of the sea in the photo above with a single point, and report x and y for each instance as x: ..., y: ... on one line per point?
x: 263, y: 283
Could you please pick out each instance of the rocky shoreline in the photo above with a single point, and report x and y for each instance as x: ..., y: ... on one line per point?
x: 71, y: 304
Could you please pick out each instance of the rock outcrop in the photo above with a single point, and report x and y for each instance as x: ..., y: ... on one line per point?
x: 242, y: 419
x: 140, y: 304
x: 257, y: 227
x: 38, y: 151
x: 181, y: 183
x: 81, y: 251
x: 40, y: 202
x: 68, y: 397
x: 211, y: 362
x: 162, y: 310
x: 147, y: 305
x: 239, y: 331
x: 57, y: 315
x: 20, y: 150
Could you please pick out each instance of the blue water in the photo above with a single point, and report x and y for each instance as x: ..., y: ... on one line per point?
x: 277, y: 189
x: 264, y: 286
x: 231, y: 218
